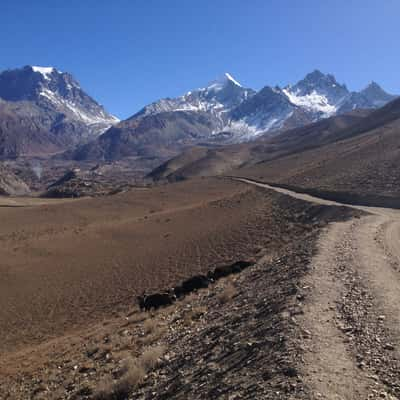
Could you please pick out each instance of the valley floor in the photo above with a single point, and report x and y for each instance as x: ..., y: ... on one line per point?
x: 65, y: 264
x: 315, y: 318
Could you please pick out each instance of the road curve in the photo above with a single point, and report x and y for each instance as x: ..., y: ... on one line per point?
x: 368, y: 249
x: 318, y: 200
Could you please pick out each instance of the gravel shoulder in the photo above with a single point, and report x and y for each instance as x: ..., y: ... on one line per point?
x: 351, y: 318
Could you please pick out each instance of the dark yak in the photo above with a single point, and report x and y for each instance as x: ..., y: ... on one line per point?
x: 192, y: 284
x: 226, y: 270
x: 154, y: 301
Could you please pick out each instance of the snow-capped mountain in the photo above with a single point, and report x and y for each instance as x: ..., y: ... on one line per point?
x: 226, y: 112
x: 267, y: 110
x: 322, y: 95
x: 241, y: 111
x: 48, y: 86
x: 44, y: 110
x: 218, y: 98
x: 246, y: 113
x: 317, y: 93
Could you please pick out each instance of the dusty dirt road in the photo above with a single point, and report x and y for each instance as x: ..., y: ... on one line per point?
x: 351, y: 319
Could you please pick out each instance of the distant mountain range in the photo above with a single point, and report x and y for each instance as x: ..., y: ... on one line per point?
x: 226, y: 112
x: 248, y: 113
x: 359, y: 149
x: 43, y: 110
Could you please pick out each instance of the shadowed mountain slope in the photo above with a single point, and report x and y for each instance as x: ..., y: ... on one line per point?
x: 225, y: 158
x: 357, y: 154
x: 362, y: 165
x: 43, y: 110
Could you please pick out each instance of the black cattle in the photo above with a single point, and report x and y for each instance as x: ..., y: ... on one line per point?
x: 154, y: 301
x: 192, y: 284
x: 226, y: 270
x: 221, y: 272
x: 242, y: 264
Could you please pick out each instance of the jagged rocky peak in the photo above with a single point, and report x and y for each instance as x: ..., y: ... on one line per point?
x: 46, y: 72
x: 223, y: 81
x: 49, y: 87
x: 218, y: 97
x: 225, y: 93
x: 224, y: 111
x: 376, y: 95
x: 316, y: 78
x: 373, y: 86
x: 27, y: 83
x: 266, y: 110
x: 318, y: 92
x: 316, y: 81
x: 44, y: 110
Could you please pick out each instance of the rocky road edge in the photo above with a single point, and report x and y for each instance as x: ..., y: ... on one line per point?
x: 363, y: 318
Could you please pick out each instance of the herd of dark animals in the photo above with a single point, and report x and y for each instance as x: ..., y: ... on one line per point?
x: 156, y: 300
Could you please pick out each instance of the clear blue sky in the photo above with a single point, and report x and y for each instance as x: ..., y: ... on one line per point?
x: 127, y: 53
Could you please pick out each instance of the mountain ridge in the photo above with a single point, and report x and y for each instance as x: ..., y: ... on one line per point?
x: 318, y: 94
x: 235, y: 114
x: 43, y: 110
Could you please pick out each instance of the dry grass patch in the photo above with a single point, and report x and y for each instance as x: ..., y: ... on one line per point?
x: 155, y: 337
x: 134, y: 374
x: 153, y: 331
x: 150, y: 326
x: 194, y: 314
x: 227, y: 294
x: 151, y: 356
x: 135, y: 371
x: 136, y: 317
x: 123, y: 342
x: 104, y: 389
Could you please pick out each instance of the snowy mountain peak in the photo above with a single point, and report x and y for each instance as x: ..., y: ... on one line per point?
x: 317, y: 75
x: 230, y: 78
x: 50, y: 89
x: 217, y: 98
x: 316, y: 80
x: 317, y: 93
x: 313, y: 102
x: 45, y: 71
x: 243, y: 113
x: 225, y: 80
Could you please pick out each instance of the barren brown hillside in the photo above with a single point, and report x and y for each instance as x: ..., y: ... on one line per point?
x: 69, y: 319
x: 362, y: 169
x: 351, y: 158
x: 66, y: 264
x: 216, y: 161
